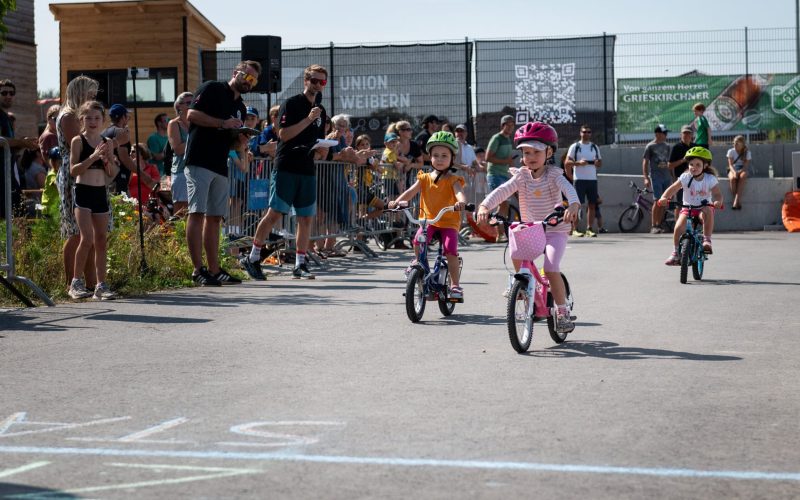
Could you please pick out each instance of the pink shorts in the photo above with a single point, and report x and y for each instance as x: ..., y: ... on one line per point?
x: 554, y: 251
x: 449, y: 238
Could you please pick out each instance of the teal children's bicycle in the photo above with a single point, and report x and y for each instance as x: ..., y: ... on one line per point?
x: 424, y: 283
x: 690, y: 245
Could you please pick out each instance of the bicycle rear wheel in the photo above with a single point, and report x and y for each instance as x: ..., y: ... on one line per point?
x: 558, y: 337
x: 415, y: 295
x: 520, y: 322
x: 630, y: 219
x: 445, y: 306
x: 686, y: 256
x: 697, y: 267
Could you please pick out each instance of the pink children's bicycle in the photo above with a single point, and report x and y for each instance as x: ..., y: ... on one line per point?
x: 529, y: 297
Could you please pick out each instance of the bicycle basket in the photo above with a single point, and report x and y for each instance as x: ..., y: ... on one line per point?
x: 526, y: 241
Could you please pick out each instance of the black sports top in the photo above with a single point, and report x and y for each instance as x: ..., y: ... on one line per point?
x: 86, y: 152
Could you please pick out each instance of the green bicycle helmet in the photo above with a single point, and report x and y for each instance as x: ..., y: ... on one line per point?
x: 699, y: 152
x: 442, y: 138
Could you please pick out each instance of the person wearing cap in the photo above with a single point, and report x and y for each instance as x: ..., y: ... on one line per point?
x: 157, y: 141
x: 657, y: 173
x: 430, y: 125
x: 499, y: 158
x: 677, y: 162
x: 120, y: 116
x: 217, y: 107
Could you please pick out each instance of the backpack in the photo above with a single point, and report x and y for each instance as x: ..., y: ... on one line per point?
x: 578, y: 150
x: 168, y: 155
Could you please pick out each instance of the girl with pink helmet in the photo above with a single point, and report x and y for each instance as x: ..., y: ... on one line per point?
x: 540, y: 187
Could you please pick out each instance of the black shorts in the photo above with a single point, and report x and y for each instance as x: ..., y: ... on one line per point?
x: 94, y: 198
x: 586, y: 189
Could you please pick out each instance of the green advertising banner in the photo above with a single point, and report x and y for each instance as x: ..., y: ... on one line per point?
x: 733, y: 103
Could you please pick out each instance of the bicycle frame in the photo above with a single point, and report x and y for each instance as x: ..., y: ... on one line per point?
x: 537, y: 288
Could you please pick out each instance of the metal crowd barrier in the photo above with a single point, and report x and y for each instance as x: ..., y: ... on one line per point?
x: 349, y: 202
x: 7, y: 260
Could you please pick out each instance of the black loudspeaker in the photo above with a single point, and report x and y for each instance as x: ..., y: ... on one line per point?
x: 267, y: 51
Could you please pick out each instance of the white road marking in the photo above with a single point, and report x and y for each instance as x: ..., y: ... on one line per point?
x: 24, y: 468
x: 57, y: 426
x: 169, y: 424
x: 412, y: 462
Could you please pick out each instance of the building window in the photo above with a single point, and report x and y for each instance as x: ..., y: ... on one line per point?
x: 159, y: 89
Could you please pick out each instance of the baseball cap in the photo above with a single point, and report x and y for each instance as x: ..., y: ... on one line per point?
x: 505, y: 119
x: 118, y: 111
x: 430, y: 118
x: 252, y: 111
x: 460, y: 126
x: 686, y: 128
x: 391, y: 136
x: 661, y: 128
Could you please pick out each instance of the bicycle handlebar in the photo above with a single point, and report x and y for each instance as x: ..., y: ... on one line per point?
x: 553, y: 219
x: 674, y: 204
x: 404, y: 208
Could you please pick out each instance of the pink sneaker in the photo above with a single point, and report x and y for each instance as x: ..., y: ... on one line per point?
x: 673, y: 259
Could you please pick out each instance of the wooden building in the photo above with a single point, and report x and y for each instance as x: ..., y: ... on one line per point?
x: 104, y: 39
x: 18, y: 64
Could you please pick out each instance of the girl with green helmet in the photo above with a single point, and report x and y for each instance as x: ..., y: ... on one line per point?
x: 699, y: 183
x: 438, y: 189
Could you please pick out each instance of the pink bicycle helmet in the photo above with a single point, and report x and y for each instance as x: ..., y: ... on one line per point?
x: 536, y: 131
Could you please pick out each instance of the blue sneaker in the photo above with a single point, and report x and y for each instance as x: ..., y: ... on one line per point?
x: 252, y: 268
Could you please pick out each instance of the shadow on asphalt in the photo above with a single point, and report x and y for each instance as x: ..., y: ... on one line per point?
x: 11, y: 490
x: 743, y: 282
x: 461, y: 319
x: 611, y: 350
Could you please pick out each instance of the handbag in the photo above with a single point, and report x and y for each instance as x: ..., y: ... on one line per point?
x: 526, y: 241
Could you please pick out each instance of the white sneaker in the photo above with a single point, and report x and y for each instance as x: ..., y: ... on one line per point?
x: 564, y: 322
x: 78, y: 290
x: 103, y: 292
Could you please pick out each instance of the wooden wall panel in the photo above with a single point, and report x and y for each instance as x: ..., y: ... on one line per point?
x: 18, y: 64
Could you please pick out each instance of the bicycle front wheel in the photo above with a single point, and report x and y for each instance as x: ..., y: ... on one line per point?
x: 519, y: 320
x: 686, y: 256
x: 445, y: 306
x: 415, y: 295
x: 698, y: 265
x: 630, y: 219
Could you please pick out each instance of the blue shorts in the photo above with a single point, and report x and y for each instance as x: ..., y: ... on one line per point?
x: 289, y: 190
x: 586, y: 189
x: 495, y: 181
x: 660, y: 184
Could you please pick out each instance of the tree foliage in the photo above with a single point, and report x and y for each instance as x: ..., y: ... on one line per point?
x: 6, y: 6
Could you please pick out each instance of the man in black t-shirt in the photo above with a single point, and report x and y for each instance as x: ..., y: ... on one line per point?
x: 301, y: 121
x: 120, y: 117
x: 677, y: 162
x: 217, y: 106
x: 7, y: 92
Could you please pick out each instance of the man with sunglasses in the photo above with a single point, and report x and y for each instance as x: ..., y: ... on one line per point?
x: 583, y: 159
x: 216, y: 108
x: 301, y: 121
x: 7, y: 92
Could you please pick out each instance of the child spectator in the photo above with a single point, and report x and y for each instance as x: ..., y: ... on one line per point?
x: 50, y: 198
x: 540, y: 187
x: 702, y: 131
x: 699, y: 183
x: 438, y: 189
x: 93, y: 166
x: 393, y: 169
x: 739, y: 158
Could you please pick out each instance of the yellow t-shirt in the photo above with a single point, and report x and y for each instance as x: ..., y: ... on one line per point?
x: 389, y: 157
x: 434, y: 197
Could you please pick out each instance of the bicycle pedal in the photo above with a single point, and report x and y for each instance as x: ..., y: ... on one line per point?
x: 456, y: 301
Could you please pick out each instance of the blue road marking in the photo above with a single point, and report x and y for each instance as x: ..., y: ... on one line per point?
x: 410, y: 462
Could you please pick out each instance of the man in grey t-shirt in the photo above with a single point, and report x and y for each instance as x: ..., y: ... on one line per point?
x: 657, y: 174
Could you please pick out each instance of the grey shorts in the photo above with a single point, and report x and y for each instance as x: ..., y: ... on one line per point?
x: 179, y: 190
x: 208, y: 192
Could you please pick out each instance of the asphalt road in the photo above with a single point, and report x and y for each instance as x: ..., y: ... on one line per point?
x: 324, y: 389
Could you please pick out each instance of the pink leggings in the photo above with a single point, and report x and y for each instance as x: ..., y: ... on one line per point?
x: 449, y: 238
x: 554, y: 251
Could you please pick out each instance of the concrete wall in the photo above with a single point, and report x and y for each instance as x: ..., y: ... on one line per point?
x: 628, y: 159
x: 761, y: 202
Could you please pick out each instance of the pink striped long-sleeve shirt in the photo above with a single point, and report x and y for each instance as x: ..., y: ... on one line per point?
x: 537, y: 197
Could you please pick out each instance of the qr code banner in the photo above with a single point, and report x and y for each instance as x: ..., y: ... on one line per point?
x: 545, y: 92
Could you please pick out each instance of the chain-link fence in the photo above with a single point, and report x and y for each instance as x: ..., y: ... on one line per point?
x: 622, y: 85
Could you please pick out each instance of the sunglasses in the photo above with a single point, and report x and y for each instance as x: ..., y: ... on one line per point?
x: 8, y: 93
x: 252, y: 80
x: 403, y: 129
x: 317, y: 81
x: 586, y: 131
